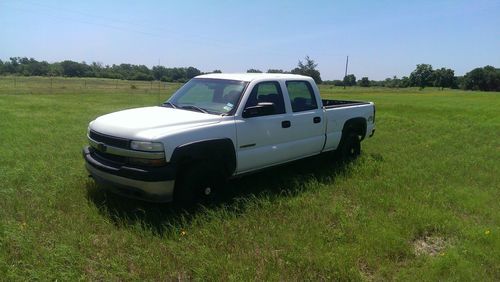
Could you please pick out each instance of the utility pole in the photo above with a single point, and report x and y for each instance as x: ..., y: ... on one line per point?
x: 159, y: 82
x: 346, y: 64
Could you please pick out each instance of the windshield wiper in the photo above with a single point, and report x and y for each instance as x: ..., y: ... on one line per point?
x: 169, y: 104
x: 201, y: 110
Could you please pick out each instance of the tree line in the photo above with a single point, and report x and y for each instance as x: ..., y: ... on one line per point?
x: 485, y: 79
x: 306, y: 67
x: 67, y: 68
x: 31, y: 67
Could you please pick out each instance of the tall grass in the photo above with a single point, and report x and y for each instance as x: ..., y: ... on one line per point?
x: 430, y: 174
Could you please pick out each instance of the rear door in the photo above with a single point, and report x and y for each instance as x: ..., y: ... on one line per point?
x: 262, y: 140
x: 307, y: 123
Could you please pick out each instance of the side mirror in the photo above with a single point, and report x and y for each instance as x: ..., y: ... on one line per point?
x: 262, y: 109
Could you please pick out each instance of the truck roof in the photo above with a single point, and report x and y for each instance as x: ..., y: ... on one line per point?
x: 253, y: 76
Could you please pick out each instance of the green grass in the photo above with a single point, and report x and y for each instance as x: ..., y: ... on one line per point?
x: 429, y: 174
x: 63, y: 85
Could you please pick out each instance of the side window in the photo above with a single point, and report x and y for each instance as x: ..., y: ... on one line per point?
x: 267, y: 92
x: 301, y: 95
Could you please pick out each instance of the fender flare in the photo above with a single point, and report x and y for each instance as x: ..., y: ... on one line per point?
x: 356, y: 125
x: 216, y: 151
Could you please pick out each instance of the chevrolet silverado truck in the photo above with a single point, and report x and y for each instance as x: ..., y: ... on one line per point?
x: 220, y: 126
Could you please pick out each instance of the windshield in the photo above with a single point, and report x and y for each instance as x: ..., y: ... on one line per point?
x: 213, y: 96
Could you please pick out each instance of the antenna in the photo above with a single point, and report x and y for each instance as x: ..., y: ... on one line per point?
x: 346, y: 64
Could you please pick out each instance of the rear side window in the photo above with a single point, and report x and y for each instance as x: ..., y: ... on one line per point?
x: 267, y: 92
x: 301, y: 96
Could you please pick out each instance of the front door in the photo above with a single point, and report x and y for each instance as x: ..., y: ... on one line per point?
x: 262, y: 139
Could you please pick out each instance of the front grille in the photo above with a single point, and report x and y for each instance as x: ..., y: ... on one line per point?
x: 118, y: 160
x: 110, y: 140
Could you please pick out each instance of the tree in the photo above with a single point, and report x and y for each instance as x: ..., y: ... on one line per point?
x: 333, y: 82
x: 393, y: 82
x: 275, y: 71
x: 484, y: 79
x: 405, y: 82
x: 39, y: 68
x: 14, y: 66
x: 338, y: 82
x: 350, y: 80
x: 71, y: 68
x: 192, y: 72
x: 364, y: 82
x: 443, y: 77
x: 422, y: 76
x: 309, y: 69
x: 216, y: 71
x: 177, y: 74
x: 140, y: 72
x: 159, y: 72
x: 254, y: 71
x: 55, y: 69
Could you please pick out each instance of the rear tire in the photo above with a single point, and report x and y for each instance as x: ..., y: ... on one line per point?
x: 197, y: 183
x: 349, y: 147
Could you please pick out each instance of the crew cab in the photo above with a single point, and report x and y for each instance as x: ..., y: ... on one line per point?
x: 219, y: 126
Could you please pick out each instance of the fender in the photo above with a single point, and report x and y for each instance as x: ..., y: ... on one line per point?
x: 357, y: 125
x: 220, y: 151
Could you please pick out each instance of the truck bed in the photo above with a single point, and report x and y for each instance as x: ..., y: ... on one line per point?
x: 328, y: 104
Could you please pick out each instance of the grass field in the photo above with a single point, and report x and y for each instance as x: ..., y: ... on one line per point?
x: 63, y: 85
x: 421, y: 203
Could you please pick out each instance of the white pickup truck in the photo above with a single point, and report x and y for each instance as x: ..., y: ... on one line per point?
x: 219, y: 126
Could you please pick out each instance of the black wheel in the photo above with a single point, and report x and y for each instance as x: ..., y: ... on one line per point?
x: 197, y: 183
x: 349, y: 147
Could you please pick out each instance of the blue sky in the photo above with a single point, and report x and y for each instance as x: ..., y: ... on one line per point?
x: 382, y: 38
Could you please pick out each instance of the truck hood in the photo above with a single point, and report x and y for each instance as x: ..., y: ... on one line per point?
x: 149, y: 123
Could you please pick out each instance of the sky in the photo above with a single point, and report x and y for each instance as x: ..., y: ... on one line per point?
x: 382, y: 38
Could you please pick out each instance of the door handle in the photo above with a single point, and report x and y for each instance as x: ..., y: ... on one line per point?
x: 317, y: 119
x: 286, y: 124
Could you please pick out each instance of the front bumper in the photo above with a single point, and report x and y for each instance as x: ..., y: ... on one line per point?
x: 149, y: 184
x: 373, y: 132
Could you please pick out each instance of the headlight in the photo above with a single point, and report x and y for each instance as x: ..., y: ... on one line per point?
x: 146, y: 146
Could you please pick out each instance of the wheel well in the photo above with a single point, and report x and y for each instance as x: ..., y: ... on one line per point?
x: 216, y: 152
x: 355, y: 125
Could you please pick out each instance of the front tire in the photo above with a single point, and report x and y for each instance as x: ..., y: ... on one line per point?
x: 197, y: 183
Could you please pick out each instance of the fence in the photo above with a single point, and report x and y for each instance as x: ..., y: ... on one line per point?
x: 56, y: 85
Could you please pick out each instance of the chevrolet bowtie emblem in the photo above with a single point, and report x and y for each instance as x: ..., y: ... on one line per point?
x: 101, y: 147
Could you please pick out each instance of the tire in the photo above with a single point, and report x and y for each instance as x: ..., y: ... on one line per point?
x: 349, y: 147
x: 197, y: 183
